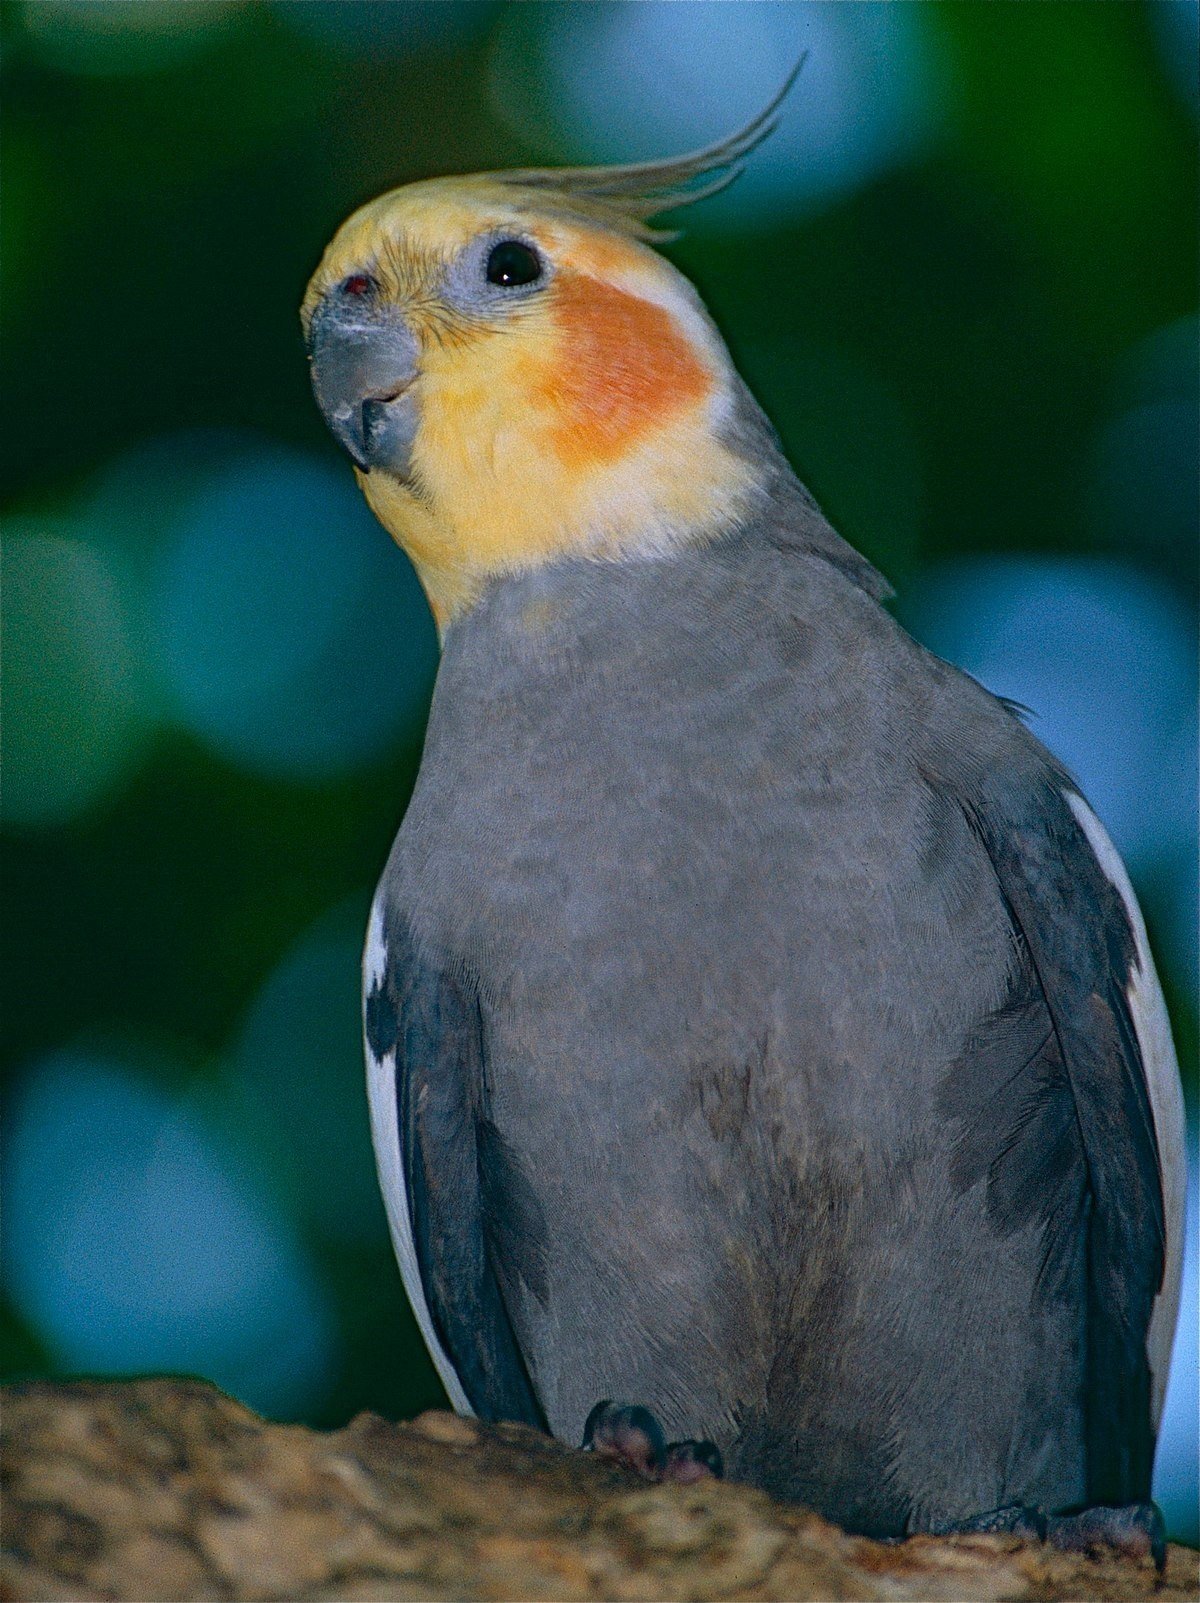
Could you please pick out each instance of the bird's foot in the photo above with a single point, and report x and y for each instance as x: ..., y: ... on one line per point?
x: 1014, y: 1519
x: 691, y: 1461
x: 1135, y: 1530
x: 630, y: 1436
x: 626, y: 1435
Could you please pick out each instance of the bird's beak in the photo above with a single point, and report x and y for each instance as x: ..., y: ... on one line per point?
x: 364, y: 364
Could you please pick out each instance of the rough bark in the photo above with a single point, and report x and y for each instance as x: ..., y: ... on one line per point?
x: 160, y: 1489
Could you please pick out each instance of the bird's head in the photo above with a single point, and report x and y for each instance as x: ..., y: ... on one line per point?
x: 518, y: 375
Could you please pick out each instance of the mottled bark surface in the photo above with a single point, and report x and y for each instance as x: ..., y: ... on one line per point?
x: 163, y: 1489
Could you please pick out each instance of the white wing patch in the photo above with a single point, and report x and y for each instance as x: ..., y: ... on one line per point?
x: 1153, y: 1028
x: 389, y: 1161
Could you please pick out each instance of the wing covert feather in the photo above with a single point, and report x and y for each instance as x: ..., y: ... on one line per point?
x: 456, y: 1174
x: 1075, y: 939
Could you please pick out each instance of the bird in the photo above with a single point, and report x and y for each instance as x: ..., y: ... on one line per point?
x: 767, y: 1070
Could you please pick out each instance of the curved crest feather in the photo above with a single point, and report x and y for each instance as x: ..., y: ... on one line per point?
x: 626, y: 197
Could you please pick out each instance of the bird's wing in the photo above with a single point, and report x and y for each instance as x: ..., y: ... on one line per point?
x: 1085, y: 1030
x: 453, y: 1198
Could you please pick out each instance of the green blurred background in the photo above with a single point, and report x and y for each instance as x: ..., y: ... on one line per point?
x: 961, y: 278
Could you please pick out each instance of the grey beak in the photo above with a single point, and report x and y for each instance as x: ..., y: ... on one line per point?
x: 363, y: 364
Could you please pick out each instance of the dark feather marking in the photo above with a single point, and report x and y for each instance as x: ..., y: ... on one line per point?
x: 1081, y: 952
x: 463, y: 1186
x: 380, y: 1023
x: 513, y: 1216
x: 1017, y: 1127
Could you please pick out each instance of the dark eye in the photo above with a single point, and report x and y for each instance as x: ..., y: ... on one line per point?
x: 511, y: 262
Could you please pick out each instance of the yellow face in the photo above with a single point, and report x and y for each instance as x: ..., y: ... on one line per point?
x: 517, y: 383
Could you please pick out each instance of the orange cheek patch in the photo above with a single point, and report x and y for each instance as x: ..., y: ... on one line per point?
x: 623, y: 366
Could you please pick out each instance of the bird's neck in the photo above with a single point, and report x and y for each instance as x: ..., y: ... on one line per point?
x: 534, y: 496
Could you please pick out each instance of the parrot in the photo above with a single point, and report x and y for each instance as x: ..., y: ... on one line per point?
x: 767, y: 1070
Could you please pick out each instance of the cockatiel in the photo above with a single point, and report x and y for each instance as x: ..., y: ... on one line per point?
x: 766, y: 1061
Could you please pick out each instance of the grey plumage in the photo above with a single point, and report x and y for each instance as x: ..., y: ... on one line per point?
x: 760, y: 1020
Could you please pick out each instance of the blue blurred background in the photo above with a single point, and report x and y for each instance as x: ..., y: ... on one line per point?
x: 961, y: 278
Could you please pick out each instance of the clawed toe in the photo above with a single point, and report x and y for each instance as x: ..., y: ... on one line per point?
x: 691, y: 1461
x: 1135, y: 1530
x: 629, y: 1435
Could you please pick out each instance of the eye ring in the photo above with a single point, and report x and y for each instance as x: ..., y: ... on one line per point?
x: 512, y: 264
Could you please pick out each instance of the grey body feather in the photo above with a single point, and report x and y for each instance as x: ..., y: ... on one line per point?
x: 776, y: 1001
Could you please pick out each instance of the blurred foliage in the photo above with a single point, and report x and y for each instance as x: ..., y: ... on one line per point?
x: 943, y: 339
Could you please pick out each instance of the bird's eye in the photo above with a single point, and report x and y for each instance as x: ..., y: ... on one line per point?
x: 512, y: 262
x: 358, y: 284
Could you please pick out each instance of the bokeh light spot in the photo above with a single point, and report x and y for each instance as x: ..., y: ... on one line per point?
x: 631, y: 82
x: 299, y: 1056
x: 123, y: 36
x: 131, y: 1244
x: 1175, y: 25
x: 291, y: 633
x: 1146, y: 460
x: 1104, y: 657
x: 71, y: 725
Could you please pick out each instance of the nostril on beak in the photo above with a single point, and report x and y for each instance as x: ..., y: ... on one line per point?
x: 360, y: 372
x: 386, y: 396
x: 377, y: 416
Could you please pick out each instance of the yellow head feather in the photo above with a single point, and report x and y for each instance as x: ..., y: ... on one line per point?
x: 589, y: 418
